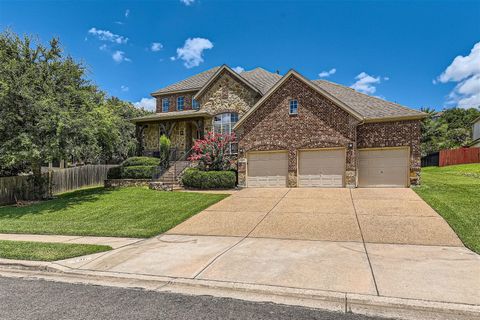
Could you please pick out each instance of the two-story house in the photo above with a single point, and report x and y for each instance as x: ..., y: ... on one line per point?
x: 291, y: 131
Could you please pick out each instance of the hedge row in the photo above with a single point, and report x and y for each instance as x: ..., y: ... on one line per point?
x: 141, y: 161
x: 194, y: 178
x: 132, y: 172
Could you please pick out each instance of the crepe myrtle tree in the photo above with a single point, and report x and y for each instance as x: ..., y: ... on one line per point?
x: 212, y: 152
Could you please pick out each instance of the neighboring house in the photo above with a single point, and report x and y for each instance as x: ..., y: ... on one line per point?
x: 291, y: 131
x: 476, y: 133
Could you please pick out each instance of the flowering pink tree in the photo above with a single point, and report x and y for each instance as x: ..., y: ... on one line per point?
x: 212, y: 151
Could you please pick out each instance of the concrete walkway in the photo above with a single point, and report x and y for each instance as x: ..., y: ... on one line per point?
x: 107, y: 241
x: 380, y: 242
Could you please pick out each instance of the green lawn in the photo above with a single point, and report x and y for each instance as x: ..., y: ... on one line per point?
x: 454, y: 192
x: 46, y: 251
x: 122, y: 212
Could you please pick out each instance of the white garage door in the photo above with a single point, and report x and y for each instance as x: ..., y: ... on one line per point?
x: 321, y: 168
x: 383, y: 168
x: 267, y: 169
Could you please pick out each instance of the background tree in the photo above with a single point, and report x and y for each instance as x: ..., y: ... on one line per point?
x: 451, y: 128
x: 49, y: 110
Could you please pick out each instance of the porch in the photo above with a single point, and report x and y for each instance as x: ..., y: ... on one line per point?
x: 182, y: 130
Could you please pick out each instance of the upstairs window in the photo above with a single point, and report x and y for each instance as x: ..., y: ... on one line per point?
x: 180, y: 103
x: 195, y: 104
x: 165, y: 105
x: 293, y: 107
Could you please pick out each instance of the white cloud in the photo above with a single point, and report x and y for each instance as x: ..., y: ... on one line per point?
x: 328, y: 73
x: 365, y: 83
x: 187, y: 2
x: 192, y: 51
x: 119, y: 56
x: 127, y: 13
x: 465, y: 70
x: 156, y: 46
x: 238, y: 69
x: 146, y: 103
x: 106, y: 35
x: 124, y: 88
x: 103, y: 47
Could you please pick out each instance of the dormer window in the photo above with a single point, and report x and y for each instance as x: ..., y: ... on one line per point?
x: 165, y: 105
x: 180, y: 103
x: 195, y: 104
x: 293, y: 110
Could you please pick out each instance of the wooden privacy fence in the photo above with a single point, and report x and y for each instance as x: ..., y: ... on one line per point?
x: 74, y: 178
x: 61, y: 180
x: 459, y: 156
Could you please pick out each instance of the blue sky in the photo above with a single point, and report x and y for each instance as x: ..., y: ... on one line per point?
x: 419, y: 54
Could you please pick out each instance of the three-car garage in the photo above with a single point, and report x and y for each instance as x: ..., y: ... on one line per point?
x: 326, y: 167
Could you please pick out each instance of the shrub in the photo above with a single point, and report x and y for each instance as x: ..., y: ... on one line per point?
x: 141, y: 161
x: 164, y: 151
x: 138, y: 172
x: 194, y: 178
x: 114, y: 173
x: 212, y: 152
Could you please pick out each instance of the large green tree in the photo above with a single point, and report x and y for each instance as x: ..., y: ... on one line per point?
x: 451, y: 128
x: 49, y: 110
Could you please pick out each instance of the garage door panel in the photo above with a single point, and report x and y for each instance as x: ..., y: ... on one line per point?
x: 267, y: 169
x: 321, y: 168
x: 383, y: 168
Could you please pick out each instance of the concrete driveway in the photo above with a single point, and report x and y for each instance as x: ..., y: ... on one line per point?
x: 385, y: 242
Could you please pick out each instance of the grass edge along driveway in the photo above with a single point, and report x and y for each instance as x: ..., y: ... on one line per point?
x: 121, y: 212
x: 454, y: 192
x: 46, y: 251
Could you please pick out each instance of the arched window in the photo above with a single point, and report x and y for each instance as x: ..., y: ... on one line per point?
x: 224, y: 122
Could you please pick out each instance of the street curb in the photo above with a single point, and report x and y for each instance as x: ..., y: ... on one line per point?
x: 370, y: 305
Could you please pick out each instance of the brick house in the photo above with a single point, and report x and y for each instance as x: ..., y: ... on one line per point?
x: 291, y: 131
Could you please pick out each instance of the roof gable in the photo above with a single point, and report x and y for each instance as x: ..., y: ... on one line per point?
x: 293, y: 73
x: 218, y: 73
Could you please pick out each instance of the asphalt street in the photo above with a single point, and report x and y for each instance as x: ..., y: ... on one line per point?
x: 39, y: 299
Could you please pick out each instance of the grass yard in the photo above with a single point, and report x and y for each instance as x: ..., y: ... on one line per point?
x: 454, y: 192
x: 46, y: 251
x: 122, y: 212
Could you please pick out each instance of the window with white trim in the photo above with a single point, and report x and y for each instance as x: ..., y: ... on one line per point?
x: 195, y: 104
x: 165, y: 105
x: 180, y: 103
x: 223, y: 123
x: 293, y: 106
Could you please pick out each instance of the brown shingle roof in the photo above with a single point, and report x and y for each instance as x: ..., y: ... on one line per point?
x: 192, y: 83
x: 367, y: 106
x: 261, y: 78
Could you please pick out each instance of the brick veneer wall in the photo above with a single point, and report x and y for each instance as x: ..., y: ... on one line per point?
x: 187, y: 105
x: 319, y: 124
x: 394, y: 134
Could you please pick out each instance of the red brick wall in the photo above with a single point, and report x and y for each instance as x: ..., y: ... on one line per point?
x: 188, y: 96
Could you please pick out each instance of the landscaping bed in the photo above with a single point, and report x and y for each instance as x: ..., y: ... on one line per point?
x: 454, y: 192
x: 122, y: 212
x: 46, y: 251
